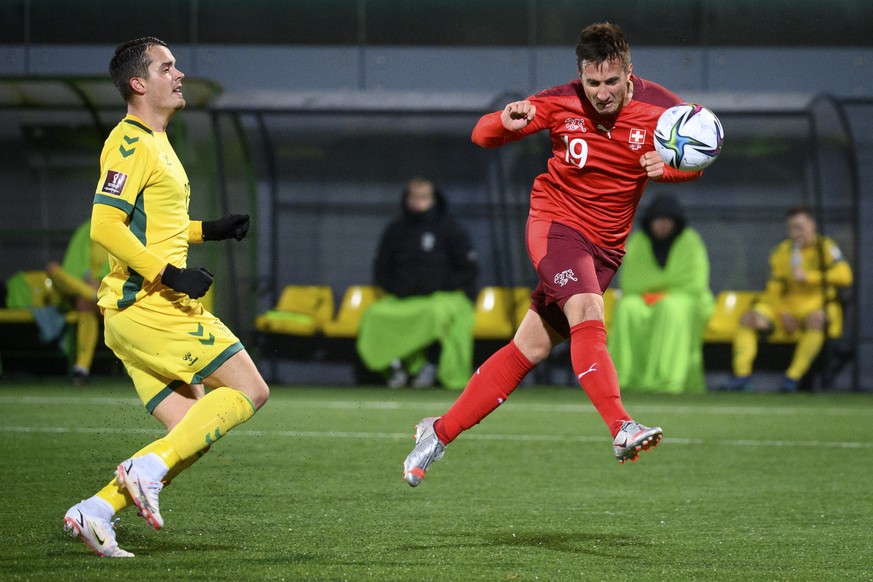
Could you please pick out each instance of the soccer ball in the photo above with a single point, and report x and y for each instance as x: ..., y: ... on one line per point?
x: 688, y: 137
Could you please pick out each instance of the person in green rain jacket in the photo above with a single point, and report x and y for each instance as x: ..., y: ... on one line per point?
x: 656, y: 334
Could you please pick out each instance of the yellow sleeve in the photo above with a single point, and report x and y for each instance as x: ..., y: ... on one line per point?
x: 195, y: 231
x: 109, y: 229
x: 838, y: 272
x: 838, y: 275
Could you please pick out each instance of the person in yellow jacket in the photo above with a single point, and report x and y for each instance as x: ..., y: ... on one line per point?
x: 805, y: 272
x: 77, y: 279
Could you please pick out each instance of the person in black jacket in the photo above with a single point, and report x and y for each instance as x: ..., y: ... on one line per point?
x: 427, y: 265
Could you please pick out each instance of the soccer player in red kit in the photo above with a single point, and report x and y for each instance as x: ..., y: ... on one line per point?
x: 581, y: 210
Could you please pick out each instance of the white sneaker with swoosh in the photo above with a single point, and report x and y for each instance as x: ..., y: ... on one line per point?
x: 97, y: 533
x: 140, y: 476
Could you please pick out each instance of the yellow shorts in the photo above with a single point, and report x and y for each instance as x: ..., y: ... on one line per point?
x: 165, y: 345
x: 800, y: 310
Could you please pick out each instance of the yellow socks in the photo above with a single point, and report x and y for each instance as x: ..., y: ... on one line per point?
x: 209, y: 419
x: 745, y: 350
x: 808, y: 347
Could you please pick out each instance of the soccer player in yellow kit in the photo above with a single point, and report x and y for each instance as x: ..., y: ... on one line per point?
x: 173, y: 349
x: 805, y: 271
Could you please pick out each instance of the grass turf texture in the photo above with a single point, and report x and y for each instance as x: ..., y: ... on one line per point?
x: 744, y: 487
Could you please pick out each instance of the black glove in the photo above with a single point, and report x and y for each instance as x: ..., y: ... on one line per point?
x: 230, y: 226
x: 194, y: 282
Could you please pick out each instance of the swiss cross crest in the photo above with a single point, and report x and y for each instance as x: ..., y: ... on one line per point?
x: 637, y: 136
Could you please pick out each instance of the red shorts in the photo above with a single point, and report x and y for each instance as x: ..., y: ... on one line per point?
x: 567, y: 264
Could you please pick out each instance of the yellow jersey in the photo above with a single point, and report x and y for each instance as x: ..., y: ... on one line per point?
x: 823, y: 256
x: 140, y: 214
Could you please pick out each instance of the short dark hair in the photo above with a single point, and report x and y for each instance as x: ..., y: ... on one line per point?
x: 131, y: 61
x: 602, y: 42
x: 800, y: 209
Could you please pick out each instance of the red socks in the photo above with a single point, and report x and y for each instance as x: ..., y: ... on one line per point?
x: 595, y: 371
x: 495, y: 380
x: 489, y: 387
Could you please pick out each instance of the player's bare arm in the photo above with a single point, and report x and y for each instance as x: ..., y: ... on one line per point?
x: 517, y: 115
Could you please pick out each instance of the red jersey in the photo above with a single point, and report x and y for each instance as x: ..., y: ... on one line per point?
x: 594, y: 179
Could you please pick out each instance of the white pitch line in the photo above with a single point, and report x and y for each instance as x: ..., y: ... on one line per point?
x: 516, y: 404
x: 468, y: 436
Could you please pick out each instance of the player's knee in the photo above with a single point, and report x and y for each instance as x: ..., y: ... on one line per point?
x: 259, y: 393
x: 816, y: 321
x: 753, y: 320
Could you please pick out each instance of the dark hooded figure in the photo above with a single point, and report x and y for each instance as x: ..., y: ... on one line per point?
x: 428, y: 266
x: 656, y: 336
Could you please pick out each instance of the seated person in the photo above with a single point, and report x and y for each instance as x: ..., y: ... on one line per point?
x: 656, y: 334
x: 427, y: 265
x: 805, y: 271
x: 77, y: 280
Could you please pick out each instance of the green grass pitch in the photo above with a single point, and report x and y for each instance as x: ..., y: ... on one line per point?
x: 743, y: 487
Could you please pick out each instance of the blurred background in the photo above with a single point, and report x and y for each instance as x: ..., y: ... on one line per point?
x: 312, y: 115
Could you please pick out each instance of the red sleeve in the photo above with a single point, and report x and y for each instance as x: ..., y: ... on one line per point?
x: 674, y: 176
x: 651, y: 92
x: 490, y: 133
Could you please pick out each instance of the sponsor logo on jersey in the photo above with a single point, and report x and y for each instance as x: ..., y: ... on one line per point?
x: 565, y: 277
x: 114, y: 183
x: 575, y: 124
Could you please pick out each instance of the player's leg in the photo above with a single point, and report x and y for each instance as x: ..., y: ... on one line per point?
x: 87, y: 334
x: 591, y: 361
x: 193, y: 347
x: 745, y: 345
x: 92, y: 519
x: 490, y: 385
x: 498, y: 376
x: 596, y: 374
x: 808, y: 347
x: 238, y: 390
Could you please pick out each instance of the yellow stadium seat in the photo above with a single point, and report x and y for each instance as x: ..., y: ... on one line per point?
x: 521, y: 296
x: 42, y: 292
x: 729, y: 307
x: 495, y: 318
x: 301, y: 310
x: 356, y: 300
x: 610, y: 296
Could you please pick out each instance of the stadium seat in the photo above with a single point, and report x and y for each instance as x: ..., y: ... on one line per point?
x: 610, y: 296
x: 355, y: 301
x: 521, y: 299
x: 36, y: 291
x: 521, y: 296
x: 495, y: 317
x: 301, y: 310
x: 729, y: 306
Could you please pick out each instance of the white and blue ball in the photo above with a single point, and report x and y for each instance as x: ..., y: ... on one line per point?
x: 688, y: 137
